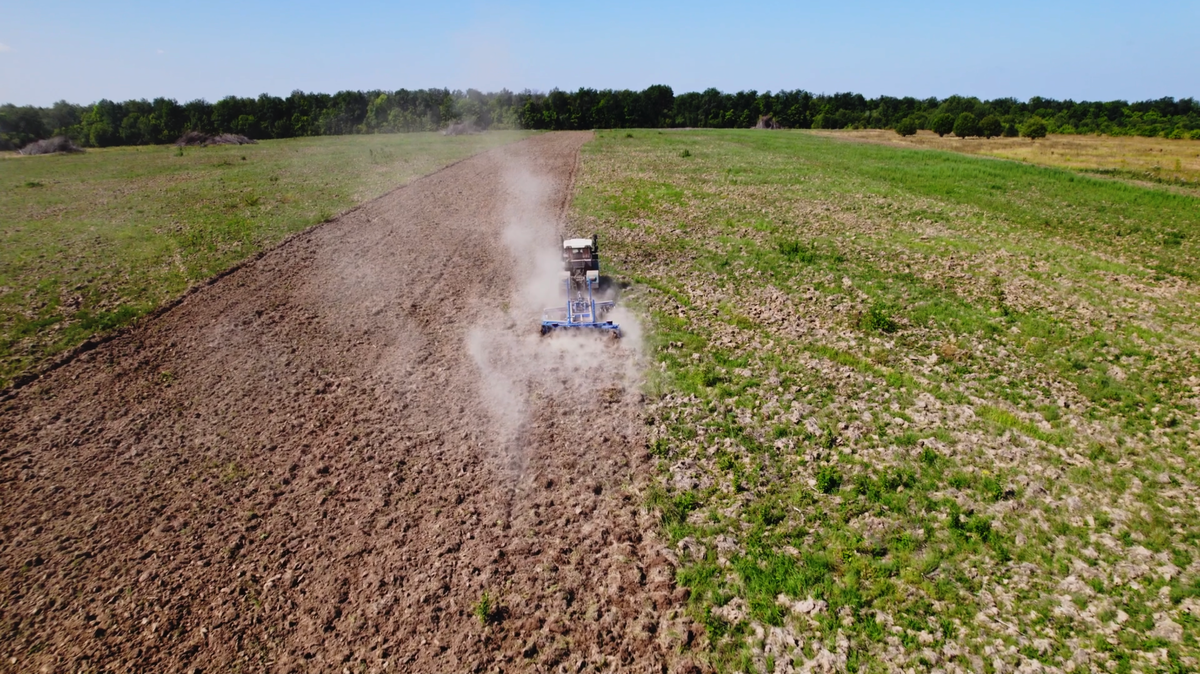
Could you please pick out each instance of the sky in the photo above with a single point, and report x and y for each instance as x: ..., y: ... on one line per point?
x: 1099, y: 50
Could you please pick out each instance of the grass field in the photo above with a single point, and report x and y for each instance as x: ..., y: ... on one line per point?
x: 92, y: 241
x: 1154, y: 160
x: 914, y: 408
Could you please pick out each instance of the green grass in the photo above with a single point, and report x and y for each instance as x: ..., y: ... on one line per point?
x: 918, y: 386
x: 92, y: 241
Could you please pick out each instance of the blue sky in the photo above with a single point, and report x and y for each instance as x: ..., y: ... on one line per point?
x: 84, y: 51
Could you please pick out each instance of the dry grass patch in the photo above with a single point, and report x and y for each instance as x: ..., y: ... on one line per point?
x: 1132, y: 157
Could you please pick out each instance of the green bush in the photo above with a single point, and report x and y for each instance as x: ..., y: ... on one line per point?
x: 1034, y: 128
x: 907, y: 127
x: 990, y: 126
x: 942, y: 123
x: 1011, y: 131
x: 966, y: 125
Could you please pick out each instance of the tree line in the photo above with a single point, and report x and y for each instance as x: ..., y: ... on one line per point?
x: 163, y: 120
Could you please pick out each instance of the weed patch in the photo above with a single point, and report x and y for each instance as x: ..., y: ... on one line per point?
x: 878, y: 318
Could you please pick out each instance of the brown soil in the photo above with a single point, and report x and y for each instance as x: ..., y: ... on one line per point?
x: 301, y: 468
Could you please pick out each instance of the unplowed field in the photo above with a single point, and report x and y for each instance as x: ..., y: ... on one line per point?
x: 327, y: 459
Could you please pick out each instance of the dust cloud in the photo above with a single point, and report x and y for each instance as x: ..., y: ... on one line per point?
x: 520, y: 369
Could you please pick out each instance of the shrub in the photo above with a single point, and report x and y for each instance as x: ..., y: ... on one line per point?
x: 1034, y: 128
x: 942, y: 123
x: 1010, y: 131
x: 907, y: 127
x: 966, y: 125
x: 685, y: 153
x: 990, y: 126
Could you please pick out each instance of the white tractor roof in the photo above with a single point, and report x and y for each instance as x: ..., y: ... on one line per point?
x: 577, y: 243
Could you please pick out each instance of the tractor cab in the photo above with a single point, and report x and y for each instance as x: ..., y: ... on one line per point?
x: 581, y: 261
x: 580, y: 255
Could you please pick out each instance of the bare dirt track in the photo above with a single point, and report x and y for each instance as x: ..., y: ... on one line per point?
x: 323, y: 460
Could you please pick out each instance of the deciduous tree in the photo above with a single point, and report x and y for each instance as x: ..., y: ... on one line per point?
x: 942, y: 123
x: 990, y: 126
x: 966, y: 125
x: 907, y: 126
x: 1034, y: 128
x: 312, y: 114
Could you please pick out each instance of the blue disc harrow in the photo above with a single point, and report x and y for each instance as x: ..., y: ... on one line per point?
x: 582, y: 313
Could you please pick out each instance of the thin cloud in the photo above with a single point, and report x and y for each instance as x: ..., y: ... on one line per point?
x: 160, y: 51
x: 4, y: 48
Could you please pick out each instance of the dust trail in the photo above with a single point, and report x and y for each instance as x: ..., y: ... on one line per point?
x: 531, y: 234
x: 521, y: 370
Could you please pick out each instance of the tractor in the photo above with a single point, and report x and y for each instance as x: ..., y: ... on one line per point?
x: 582, y: 282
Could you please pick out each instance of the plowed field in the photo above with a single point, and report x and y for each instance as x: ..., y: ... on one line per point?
x: 351, y: 454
